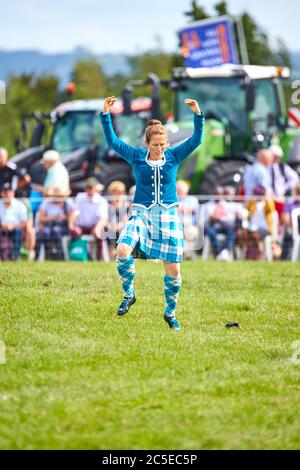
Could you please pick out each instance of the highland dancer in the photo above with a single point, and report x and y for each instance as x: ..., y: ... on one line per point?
x: 153, y: 229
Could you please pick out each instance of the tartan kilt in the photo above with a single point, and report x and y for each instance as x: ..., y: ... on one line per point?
x: 156, y: 233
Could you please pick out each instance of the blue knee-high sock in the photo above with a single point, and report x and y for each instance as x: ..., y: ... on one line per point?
x: 126, y: 270
x: 172, y: 288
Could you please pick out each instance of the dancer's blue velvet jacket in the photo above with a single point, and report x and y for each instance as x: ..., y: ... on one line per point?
x: 154, y: 184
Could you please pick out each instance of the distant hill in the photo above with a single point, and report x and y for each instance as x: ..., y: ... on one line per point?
x: 17, y: 62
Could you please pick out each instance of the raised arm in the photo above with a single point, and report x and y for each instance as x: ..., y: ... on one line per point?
x: 182, y: 151
x: 121, y: 148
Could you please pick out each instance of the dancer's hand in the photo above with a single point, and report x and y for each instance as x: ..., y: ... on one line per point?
x: 108, y: 103
x: 193, y: 105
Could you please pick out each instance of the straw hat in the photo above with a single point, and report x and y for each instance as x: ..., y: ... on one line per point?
x: 57, y: 191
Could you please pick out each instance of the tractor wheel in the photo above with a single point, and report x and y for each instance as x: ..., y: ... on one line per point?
x: 223, y: 173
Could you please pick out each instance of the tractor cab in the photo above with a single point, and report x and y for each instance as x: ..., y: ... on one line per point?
x: 245, y: 110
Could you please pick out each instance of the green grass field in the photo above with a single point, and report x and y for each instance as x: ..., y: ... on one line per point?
x: 79, y: 377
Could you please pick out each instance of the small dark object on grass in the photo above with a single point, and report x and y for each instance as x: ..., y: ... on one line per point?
x: 232, y: 324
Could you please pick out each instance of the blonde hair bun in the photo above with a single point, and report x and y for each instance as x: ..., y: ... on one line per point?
x: 154, y: 127
x: 154, y: 122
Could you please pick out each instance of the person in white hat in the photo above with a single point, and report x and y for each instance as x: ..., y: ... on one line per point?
x: 90, y: 213
x: 283, y: 178
x: 56, y: 172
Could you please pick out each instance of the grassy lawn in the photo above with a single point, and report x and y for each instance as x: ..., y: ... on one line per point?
x: 79, y: 377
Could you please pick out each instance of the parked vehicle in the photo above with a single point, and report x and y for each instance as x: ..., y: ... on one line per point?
x: 245, y: 110
x: 77, y: 135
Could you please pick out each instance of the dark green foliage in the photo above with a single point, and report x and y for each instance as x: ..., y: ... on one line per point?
x: 221, y: 8
x: 90, y: 80
x: 197, y: 12
x: 25, y: 94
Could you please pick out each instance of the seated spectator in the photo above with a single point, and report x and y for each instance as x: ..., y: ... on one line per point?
x: 188, y: 209
x: 117, y: 214
x: 218, y: 195
x: 17, y: 180
x: 53, y: 222
x: 293, y: 203
x: 90, y: 214
x: 222, y: 218
x: 13, y: 219
x: 241, y: 213
x: 9, y: 173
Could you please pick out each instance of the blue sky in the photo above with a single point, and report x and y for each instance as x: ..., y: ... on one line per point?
x: 125, y: 25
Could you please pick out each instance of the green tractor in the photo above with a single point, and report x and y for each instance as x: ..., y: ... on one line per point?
x: 74, y: 130
x: 245, y: 110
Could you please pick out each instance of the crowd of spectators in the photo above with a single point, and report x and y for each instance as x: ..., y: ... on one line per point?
x: 256, y: 223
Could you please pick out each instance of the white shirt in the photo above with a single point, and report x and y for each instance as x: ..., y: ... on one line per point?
x: 16, y: 213
x: 156, y: 162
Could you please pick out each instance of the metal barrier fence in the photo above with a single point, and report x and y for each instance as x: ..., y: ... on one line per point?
x: 225, y: 228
